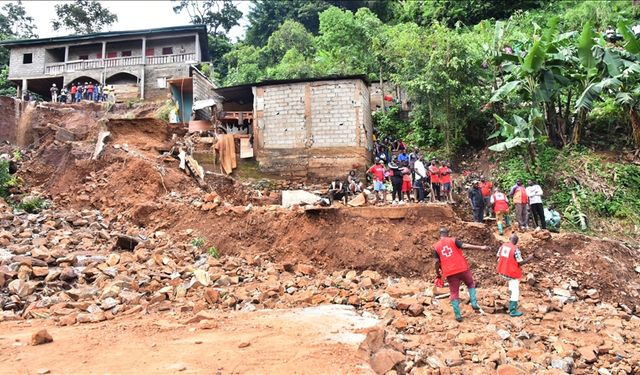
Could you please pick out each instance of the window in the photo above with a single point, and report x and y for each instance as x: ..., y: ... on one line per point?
x: 149, y: 52
x: 99, y: 55
x: 167, y: 51
x: 162, y: 82
x: 27, y: 58
x: 83, y: 57
x: 126, y: 53
x: 111, y: 55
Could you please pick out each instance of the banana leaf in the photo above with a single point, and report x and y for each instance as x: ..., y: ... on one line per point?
x: 534, y: 59
x: 585, y: 45
x: 504, y: 90
x: 631, y: 43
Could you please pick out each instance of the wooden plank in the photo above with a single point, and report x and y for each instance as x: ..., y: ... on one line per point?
x: 246, y: 151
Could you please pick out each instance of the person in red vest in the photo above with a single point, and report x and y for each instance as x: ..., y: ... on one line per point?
x: 500, y: 204
x: 509, y: 266
x: 434, y: 175
x: 451, y: 263
x: 445, y: 181
x: 521, y: 200
x: 485, y: 187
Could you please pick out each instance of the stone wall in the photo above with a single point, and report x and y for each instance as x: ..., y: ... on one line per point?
x: 312, y: 128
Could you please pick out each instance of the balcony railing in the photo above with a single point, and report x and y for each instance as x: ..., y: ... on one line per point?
x: 73, y: 66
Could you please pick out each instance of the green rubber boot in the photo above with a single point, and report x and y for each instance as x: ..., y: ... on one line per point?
x: 507, y: 221
x: 473, y: 299
x: 455, y: 304
x: 513, y: 309
x: 500, y: 230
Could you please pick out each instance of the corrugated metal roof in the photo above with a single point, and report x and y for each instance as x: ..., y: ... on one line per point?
x: 200, y: 29
x: 270, y: 82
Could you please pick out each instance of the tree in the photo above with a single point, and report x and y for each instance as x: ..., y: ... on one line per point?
x: 83, y: 17
x: 217, y: 15
x: 290, y: 35
x: 15, y: 22
x: 265, y: 16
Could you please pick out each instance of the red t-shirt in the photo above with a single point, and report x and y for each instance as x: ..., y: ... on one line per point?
x: 378, y: 172
x: 434, y: 171
x: 445, y: 175
x: 74, y: 89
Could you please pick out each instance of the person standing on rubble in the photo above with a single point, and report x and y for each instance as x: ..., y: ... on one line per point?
x: 485, y: 187
x: 73, y: 92
x: 451, y: 263
x: 509, y: 266
x: 420, y: 173
x: 377, y: 171
x: 445, y: 180
x: 476, y: 201
x: 434, y: 178
x: 54, y: 93
x: 500, y: 204
x: 534, y: 192
x: 521, y: 200
x: 396, y: 181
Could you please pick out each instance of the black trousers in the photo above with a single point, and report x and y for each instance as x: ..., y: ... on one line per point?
x: 396, y: 193
x: 537, y: 211
x: 478, y: 214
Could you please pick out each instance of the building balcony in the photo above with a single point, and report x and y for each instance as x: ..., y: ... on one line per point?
x: 80, y: 65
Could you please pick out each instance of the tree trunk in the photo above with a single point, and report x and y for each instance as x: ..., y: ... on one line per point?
x: 576, y: 135
x: 635, y: 126
x: 382, y: 90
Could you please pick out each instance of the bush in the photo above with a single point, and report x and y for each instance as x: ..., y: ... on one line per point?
x: 33, y: 204
x: 213, y: 251
x: 197, y: 242
x: 6, y: 179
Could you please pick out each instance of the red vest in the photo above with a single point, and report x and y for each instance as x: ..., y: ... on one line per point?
x: 452, y: 260
x: 520, y: 195
x: 507, y: 263
x: 500, y: 202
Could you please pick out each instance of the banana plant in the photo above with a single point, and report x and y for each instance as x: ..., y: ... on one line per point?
x: 522, y: 133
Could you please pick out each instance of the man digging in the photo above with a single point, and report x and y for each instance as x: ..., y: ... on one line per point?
x: 451, y: 263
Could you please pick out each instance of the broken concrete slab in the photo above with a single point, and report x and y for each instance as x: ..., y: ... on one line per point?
x: 300, y: 197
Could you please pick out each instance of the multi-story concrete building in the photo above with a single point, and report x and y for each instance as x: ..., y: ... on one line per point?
x: 137, y: 63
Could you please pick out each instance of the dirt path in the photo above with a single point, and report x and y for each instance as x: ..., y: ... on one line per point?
x: 319, y: 340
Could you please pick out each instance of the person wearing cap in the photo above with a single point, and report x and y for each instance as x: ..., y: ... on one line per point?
x: 486, y: 187
x: 477, y: 201
x: 451, y: 263
x: 520, y: 200
x: 509, y: 266
x: 54, y: 93
x: 377, y: 171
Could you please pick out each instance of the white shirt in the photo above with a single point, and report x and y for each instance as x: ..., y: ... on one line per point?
x: 420, y: 171
x: 534, y: 192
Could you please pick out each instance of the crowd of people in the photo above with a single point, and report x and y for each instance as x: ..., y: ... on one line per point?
x: 79, y: 91
x: 487, y: 200
x: 406, y: 177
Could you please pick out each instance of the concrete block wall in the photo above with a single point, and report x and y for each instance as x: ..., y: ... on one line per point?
x: 333, y: 118
x: 169, y: 71
x: 312, y: 128
x: 18, y: 70
x: 284, y: 116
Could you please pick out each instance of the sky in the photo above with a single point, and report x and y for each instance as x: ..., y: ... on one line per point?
x: 132, y: 15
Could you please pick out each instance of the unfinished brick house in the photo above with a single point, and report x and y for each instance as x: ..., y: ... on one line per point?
x: 306, y: 127
x: 137, y: 63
